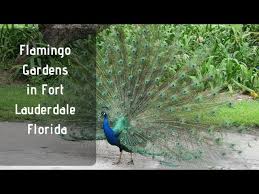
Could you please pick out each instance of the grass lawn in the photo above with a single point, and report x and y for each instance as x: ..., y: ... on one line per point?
x: 245, y: 112
x: 16, y: 94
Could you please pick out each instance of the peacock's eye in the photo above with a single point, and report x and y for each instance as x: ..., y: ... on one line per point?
x: 182, y: 75
x: 130, y: 77
x: 120, y: 61
x: 173, y: 85
x: 230, y: 104
x: 147, y: 81
x: 185, y: 91
x: 193, y: 65
x: 106, y: 62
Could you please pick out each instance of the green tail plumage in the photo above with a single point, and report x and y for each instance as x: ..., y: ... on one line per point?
x: 161, y: 105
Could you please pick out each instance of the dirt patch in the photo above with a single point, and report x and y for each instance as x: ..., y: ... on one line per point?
x: 240, y: 97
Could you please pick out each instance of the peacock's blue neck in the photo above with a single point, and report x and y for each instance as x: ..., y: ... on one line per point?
x: 106, y: 121
x: 109, y: 133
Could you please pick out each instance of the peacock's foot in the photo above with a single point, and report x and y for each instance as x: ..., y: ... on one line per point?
x: 131, y: 162
x: 116, y: 163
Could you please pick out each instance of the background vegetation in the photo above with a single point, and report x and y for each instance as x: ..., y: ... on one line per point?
x: 229, y: 54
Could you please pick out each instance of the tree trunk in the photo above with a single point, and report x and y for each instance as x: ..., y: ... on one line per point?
x: 61, y: 34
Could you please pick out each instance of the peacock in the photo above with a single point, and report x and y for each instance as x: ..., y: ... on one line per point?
x: 153, y: 99
x: 113, y: 137
x: 154, y: 103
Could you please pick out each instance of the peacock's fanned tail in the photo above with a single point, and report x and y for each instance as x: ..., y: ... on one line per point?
x: 157, y: 102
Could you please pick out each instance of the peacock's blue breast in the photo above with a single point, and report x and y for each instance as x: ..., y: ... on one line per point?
x: 112, y: 139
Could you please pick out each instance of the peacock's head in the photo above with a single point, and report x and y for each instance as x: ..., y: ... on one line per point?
x: 104, y: 114
x: 104, y: 111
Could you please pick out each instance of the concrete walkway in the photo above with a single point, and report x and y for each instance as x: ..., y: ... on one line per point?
x: 17, y: 150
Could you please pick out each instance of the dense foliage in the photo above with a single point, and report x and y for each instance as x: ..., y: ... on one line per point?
x: 225, y: 52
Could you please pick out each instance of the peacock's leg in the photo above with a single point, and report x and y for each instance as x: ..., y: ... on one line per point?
x: 131, y: 160
x: 119, y: 161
